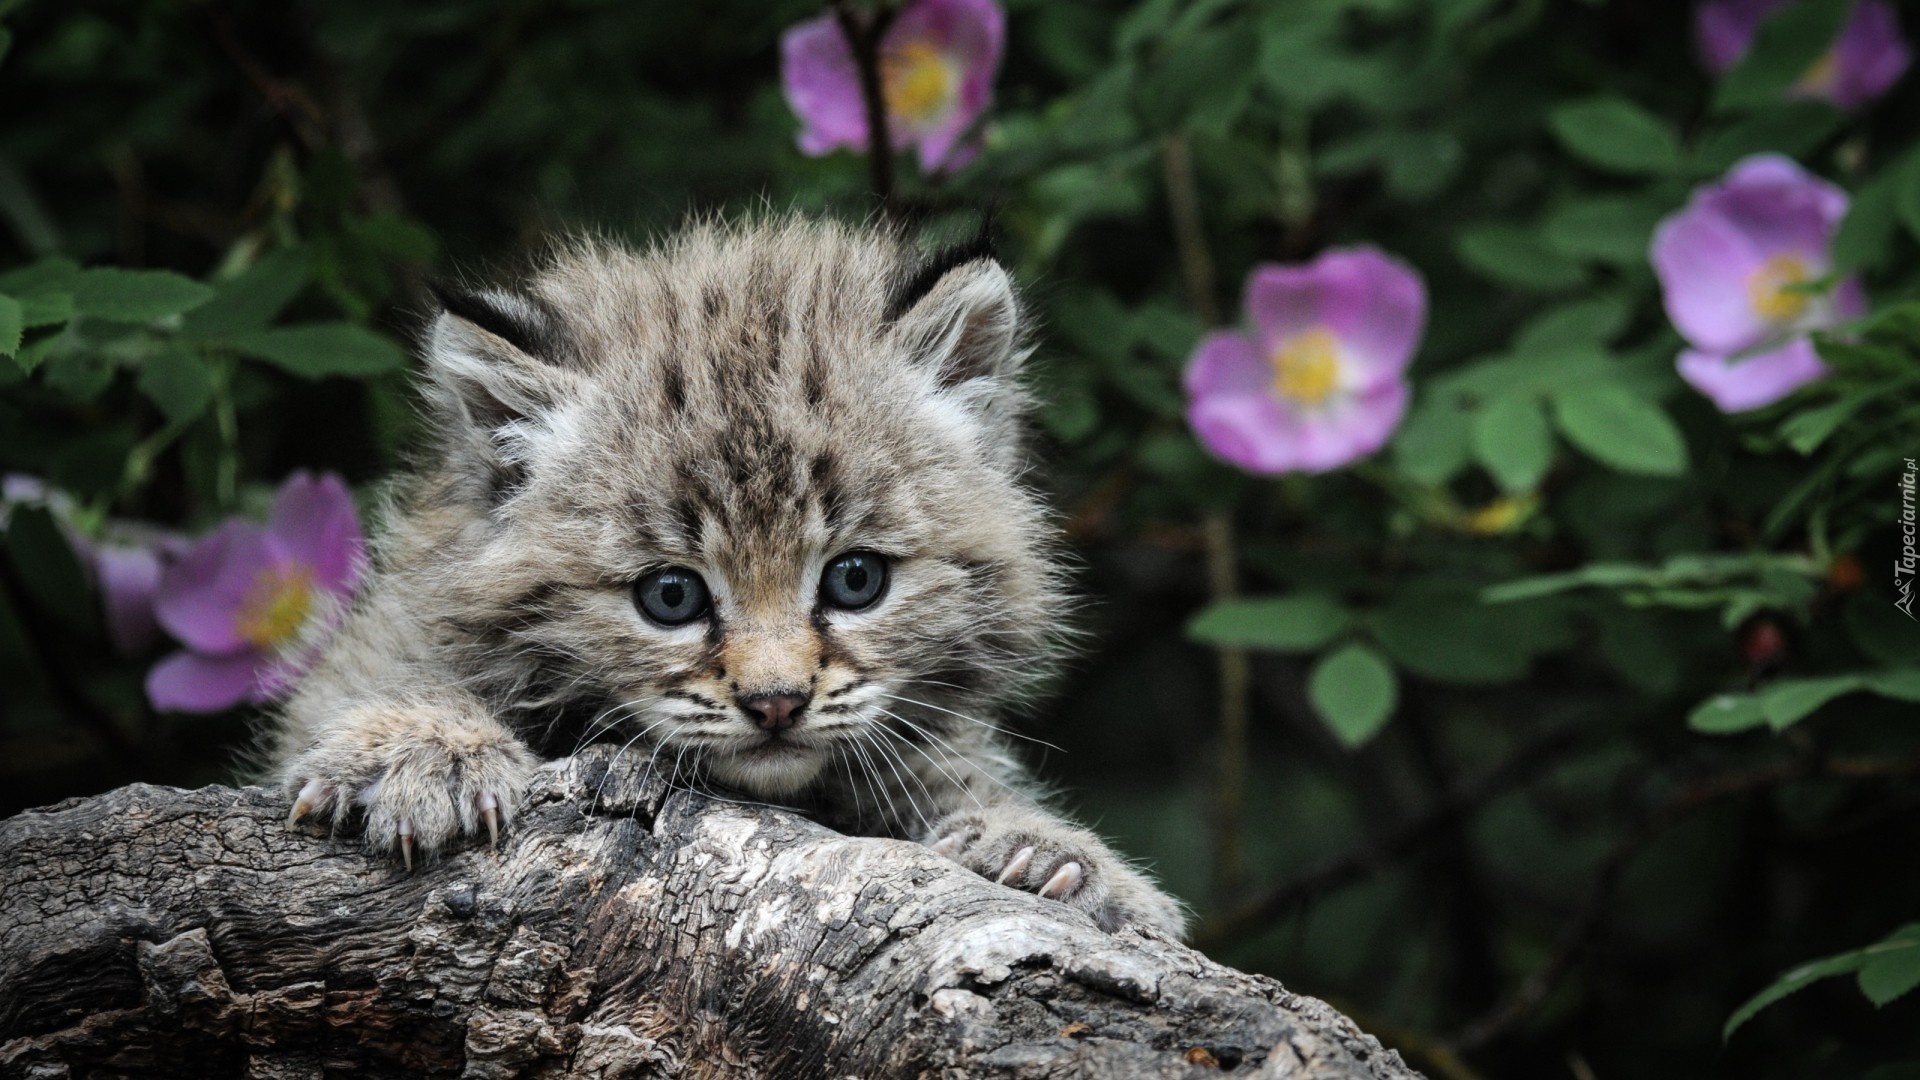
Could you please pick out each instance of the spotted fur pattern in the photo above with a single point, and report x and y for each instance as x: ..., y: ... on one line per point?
x: 748, y: 402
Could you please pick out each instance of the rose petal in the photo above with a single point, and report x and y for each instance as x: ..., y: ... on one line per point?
x: 1226, y: 362
x: 1724, y: 29
x: 1703, y: 264
x: 200, y: 596
x: 823, y: 86
x: 1375, y: 304
x: 189, y: 682
x: 972, y: 35
x: 314, y: 522
x: 1245, y: 430
x: 1779, y: 206
x: 1754, y: 381
x: 128, y: 578
x: 1870, y: 55
x: 1350, y: 429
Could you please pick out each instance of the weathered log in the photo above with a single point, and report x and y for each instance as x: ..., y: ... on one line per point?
x: 623, y: 930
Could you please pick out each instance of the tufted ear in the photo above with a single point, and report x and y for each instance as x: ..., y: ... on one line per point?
x: 498, y: 365
x: 963, y: 318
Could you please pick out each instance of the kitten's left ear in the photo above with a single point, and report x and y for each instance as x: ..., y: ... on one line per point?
x: 964, y: 320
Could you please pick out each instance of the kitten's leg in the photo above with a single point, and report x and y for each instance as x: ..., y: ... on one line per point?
x: 1023, y: 846
x: 423, y: 773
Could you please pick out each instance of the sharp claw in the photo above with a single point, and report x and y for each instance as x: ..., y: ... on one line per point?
x: 303, y: 803
x: 1016, y: 865
x: 405, y: 830
x: 1063, y: 882
x: 492, y: 818
x: 948, y: 845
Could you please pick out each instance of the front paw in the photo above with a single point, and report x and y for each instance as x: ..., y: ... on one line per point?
x: 1039, y: 854
x: 420, y: 779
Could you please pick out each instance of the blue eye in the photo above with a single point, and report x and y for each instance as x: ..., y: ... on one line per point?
x: 854, y: 580
x: 672, y: 596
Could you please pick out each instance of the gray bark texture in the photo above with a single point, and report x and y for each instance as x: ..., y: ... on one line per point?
x: 622, y: 930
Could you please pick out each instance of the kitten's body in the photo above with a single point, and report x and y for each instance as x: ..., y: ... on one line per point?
x: 748, y: 405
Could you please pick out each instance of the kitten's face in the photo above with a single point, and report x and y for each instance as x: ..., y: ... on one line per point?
x: 758, y: 492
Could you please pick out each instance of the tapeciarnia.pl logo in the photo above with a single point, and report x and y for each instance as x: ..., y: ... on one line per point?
x: 1904, y: 563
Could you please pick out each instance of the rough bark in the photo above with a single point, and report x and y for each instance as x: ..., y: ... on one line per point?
x: 623, y: 930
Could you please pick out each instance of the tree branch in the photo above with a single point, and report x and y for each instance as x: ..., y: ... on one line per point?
x: 623, y: 929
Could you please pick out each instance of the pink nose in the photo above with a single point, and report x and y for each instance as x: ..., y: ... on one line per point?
x: 774, y: 712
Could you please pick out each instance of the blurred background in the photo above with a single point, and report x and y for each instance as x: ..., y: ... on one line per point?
x: 1541, y: 740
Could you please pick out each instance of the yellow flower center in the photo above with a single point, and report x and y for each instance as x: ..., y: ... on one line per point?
x: 1306, y: 367
x: 918, y: 80
x: 1772, y: 289
x: 276, y: 606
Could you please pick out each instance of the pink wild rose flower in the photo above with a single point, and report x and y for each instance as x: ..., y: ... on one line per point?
x: 1863, y: 63
x: 244, y: 595
x: 1735, y: 268
x: 937, y: 63
x: 123, y: 562
x: 1319, y: 382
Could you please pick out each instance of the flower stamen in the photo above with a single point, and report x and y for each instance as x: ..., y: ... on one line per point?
x: 1772, y: 289
x: 275, y: 607
x: 1306, y: 367
x: 919, y: 81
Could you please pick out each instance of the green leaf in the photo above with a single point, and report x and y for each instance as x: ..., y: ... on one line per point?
x: 254, y: 298
x: 1621, y: 431
x: 319, y: 349
x: 1614, y: 133
x: 1616, y: 231
x: 1790, y: 701
x: 178, y: 383
x: 1512, y: 439
x: 1789, y: 43
x: 45, y: 309
x: 12, y: 322
x: 1513, y: 256
x: 135, y: 295
x: 1444, y: 632
x: 1892, y: 967
x: 1793, y: 128
x: 1726, y: 714
x: 1582, y: 323
x: 1435, y: 442
x: 1298, y: 623
x: 1807, y: 429
x: 1354, y: 691
x: 1903, y: 685
x: 1865, y: 238
x: 1893, y: 956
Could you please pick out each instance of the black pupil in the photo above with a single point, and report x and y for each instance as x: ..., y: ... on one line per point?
x: 856, y: 576
x: 672, y: 593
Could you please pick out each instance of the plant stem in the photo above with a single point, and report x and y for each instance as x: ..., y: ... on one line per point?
x: 863, y: 33
x: 1230, y: 768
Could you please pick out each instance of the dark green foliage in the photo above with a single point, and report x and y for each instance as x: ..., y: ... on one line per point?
x: 1578, y: 680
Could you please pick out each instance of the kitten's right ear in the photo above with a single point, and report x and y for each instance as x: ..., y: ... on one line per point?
x: 497, y: 357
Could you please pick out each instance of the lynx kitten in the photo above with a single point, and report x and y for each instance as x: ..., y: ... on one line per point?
x: 748, y: 504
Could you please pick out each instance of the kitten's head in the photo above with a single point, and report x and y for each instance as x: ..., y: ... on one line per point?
x: 758, y: 488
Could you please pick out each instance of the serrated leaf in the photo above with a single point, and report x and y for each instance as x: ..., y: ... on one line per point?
x: 109, y: 292
x: 177, y: 382
x: 1616, y: 231
x: 1512, y: 439
x: 1888, y: 983
x: 12, y: 322
x: 253, y: 299
x: 320, y: 349
x: 45, y: 309
x: 1354, y: 691
x: 1297, y: 623
x: 1615, y: 134
x: 1621, y: 431
x: 1513, y: 256
x: 1582, y: 323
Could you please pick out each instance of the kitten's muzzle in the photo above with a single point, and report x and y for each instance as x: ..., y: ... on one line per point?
x: 773, y: 712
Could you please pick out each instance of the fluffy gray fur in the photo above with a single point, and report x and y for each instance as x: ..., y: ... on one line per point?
x: 748, y: 402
